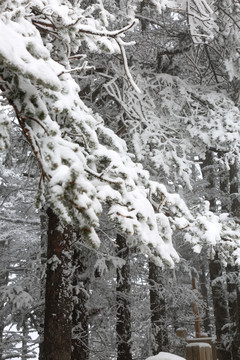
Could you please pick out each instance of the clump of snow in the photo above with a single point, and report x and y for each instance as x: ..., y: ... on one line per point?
x: 165, y: 356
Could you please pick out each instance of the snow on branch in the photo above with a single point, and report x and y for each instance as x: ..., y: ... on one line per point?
x: 83, y: 164
x: 200, y: 16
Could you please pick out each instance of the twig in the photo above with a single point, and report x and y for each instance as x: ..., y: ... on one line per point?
x: 99, y: 176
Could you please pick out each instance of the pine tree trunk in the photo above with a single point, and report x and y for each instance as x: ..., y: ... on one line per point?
x: 220, y: 307
x: 203, y: 282
x: 158, y: 310
x: 235, y: 209
x: 58, y: 297
x: 231, y: 273
x: 236, y: 339
x: 44, y: 241
x: 80, y: 336
x: 123, y: 326
x: 197, y: 323
x: 25, y: 335
x: 209, y: 174
x: 4, y: 261
x: 143, y: 21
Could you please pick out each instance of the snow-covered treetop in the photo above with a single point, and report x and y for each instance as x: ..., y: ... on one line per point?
x: 83, y: 164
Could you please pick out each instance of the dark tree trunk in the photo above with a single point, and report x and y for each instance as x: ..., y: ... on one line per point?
x: 220, y: 304
x: 231, y: 275
x: 4, y: 261
x: 159, y: 335
x: 209, y: 175
x: 58, y: 297
x: 220, y: 307
x: 224, y: 185
x: 25, y: 335
x: 197, y: 323
x: 203, y: 282
x: 236, y: 339
x: 44, y: 242
x: 234, y: 189
x: 235, y: 307
x: 143, y: 21
x: 80, y: 349
x: 123, y: 326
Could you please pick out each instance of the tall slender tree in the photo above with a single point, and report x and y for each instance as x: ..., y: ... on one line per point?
x: 123, y: 314
x: 58, y: 295
x: 80, y: 316
x: 159, y: 336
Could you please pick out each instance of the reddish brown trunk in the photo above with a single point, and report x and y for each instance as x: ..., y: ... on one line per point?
x: 196, y: 313
x: 159, y: 336
x: 58, y: 305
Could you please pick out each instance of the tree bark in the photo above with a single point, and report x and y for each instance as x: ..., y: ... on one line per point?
x: 4, y: 261
x: 236, y: 339
x: 159, y: 335
x: 58, y: 297
x: 203, y: 280
x: 44, y: 242
x: 25, y: 335
x: 209, y: 174
x: 80, y: 335
x: 197, y: 323
x: 220, y: 304
x: 234, y: 189
x: 123, y: 326
x: 220, y: 307
x: 235, y: 307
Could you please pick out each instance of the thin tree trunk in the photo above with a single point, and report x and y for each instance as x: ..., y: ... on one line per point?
x: 224, y: 185
x: 80, y: 336
x: 159, y: 335
x: 24, y: 341
x: 236, y: 339
x: 209, y: 174
x: 231, y: 273
x: 234, y: 189
x: 58, y: 297
x: 123, y: 326
x: 203, y: 280
x: 143, y: 21
x: 44, y: 242
x: 4, y: 261
x: 220, y: 307
x: 235, y: 209
x: 197, y: 323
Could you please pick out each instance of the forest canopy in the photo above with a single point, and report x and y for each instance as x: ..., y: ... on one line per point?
x: 124, y: 116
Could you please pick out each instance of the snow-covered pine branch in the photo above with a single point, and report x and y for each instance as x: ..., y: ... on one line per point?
x: 83, y: 163
x: 172, y: 121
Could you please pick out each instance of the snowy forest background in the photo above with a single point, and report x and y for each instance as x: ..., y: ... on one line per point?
x: 119, y: 123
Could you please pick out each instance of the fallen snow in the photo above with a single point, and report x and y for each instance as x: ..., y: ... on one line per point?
x: 165, y: 356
